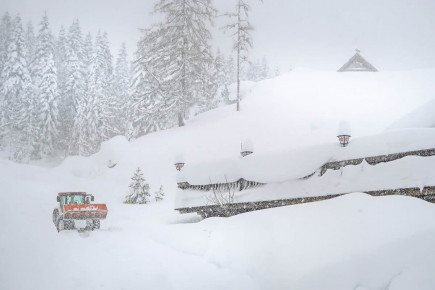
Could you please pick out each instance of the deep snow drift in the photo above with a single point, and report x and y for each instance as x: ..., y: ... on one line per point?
x: 345, y: 243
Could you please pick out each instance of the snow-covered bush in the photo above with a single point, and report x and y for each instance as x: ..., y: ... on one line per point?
x: 139, y: 189
x: 160, y: 194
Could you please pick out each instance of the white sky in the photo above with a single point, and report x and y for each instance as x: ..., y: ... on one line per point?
x: 319, y: 34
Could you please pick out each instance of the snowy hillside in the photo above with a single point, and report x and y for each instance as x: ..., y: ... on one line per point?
x: 352, y: 242
x: 423, y: 117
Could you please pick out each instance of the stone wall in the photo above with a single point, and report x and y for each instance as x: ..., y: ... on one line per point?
x: 238, y: 185
x: 336, y: 165
x: 427, y: 193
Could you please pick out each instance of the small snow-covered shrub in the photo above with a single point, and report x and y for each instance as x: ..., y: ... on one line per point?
x: 138, y: 189
x: 160, y: 194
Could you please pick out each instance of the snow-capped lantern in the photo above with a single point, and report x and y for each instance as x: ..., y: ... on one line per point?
x: 343, y: 134
x: 246, y: 148
x: 179, y: 162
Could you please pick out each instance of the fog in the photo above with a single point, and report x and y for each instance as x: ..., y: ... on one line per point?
x: 391, y: 34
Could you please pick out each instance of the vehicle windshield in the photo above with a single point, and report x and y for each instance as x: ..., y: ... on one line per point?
x: 73, y: 199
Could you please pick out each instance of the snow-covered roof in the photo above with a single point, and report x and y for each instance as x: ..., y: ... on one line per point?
x: 286, y: 165
x: 71, y: 193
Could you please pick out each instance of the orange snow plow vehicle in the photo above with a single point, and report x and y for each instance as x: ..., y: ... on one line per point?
x: 75, y: 212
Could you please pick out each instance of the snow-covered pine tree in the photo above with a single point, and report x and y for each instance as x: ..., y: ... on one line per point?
x: 277, y: 71
x: 150, y: 105
x: 74, y: 81
x: 207, y: 96
x: 30, y: 40
x: 45, y: 72
x: 219, y: 64
x: 176, y: 54
x: 254, y: 72
x: 103, y: 86
x: 257, y: 70
x: 32, y: 127
x: 240, y: 28
x: 89, y: 127
x: 65, y: 127
x: 5, y: 37
x: 80, y: 143
x: 138, y: 189
x: 17, y: 94
x: 160, y: 194
x: 230, y: 71
x: 122, y: 83
x: 265, y: 71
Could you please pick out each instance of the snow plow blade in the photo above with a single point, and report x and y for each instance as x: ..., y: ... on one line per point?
x: 85, y: 211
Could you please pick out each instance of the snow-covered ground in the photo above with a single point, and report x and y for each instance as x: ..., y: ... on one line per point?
x: 352, y: 242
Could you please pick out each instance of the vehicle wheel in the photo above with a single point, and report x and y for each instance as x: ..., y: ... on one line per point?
x: 55, y: 215
x: 60, y: 225
x: 96, y: 225
x: 89, y: 225
x: 69, y: 225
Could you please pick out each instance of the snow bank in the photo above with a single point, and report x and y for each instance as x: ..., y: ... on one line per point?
x: 348, y: 242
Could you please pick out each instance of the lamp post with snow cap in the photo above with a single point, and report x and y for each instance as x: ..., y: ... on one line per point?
x: 179, y: 162
x: 343, y: 133
x: 246, y: 148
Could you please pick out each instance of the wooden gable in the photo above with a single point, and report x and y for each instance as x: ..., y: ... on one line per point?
x: 357, y: 63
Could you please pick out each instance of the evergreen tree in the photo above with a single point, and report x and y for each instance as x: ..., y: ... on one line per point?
x: 160, y: 194
x: 64, y: 109
x: 30, y: 41
x: 102, y: 88
x: 150, y: 107
x: 206, y: 94
x: 257, y: 71
x: 265, y: 71
x: 241, y: 30
x: 5, y: 38
x: 45, y: 72
x: 89, y: 125
x: 15, y: 91
x: 80, y: 143
x: 74, y: 82
x: 176, y: 56
x: 138, y: 189
x: 254, y: 72
x: 277, y: 71
x: 122, y: 83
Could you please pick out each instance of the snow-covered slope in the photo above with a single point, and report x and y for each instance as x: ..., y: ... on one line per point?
x: 354, y: 241
x: 423, y: 117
